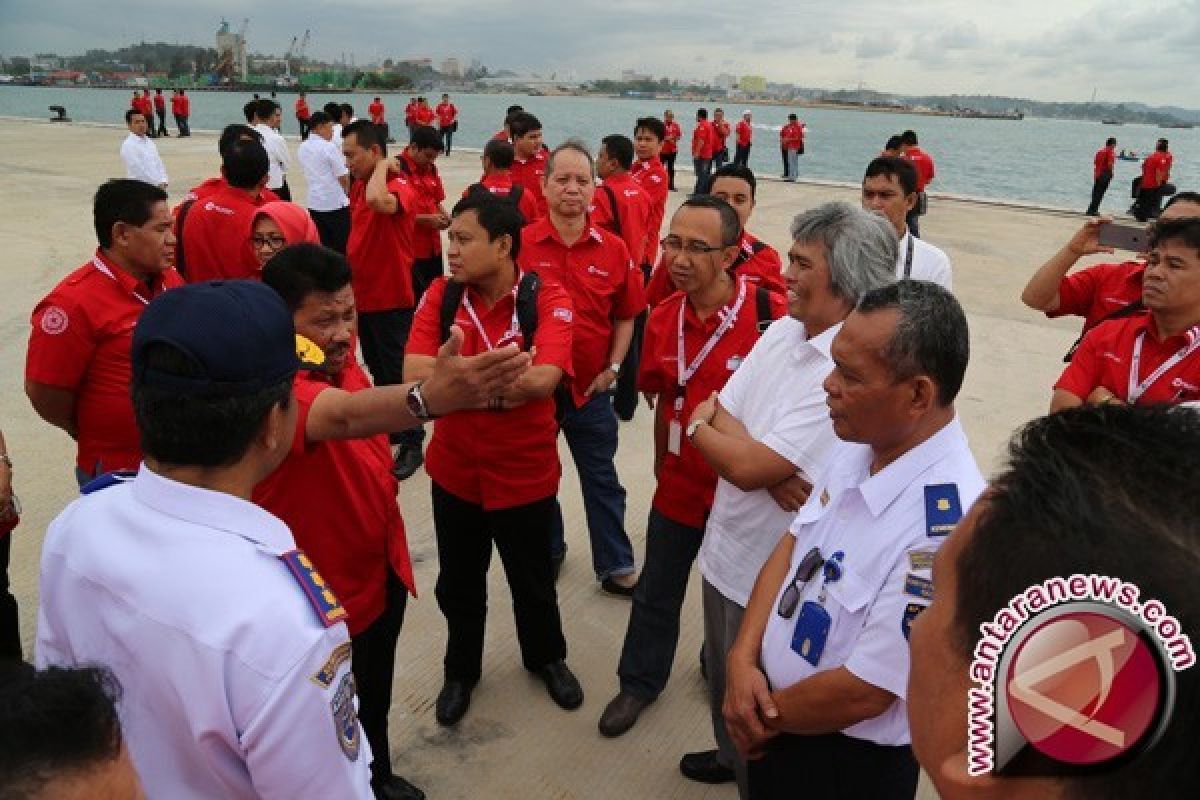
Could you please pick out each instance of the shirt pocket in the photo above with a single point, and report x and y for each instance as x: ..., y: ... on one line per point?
x: 848, y: 601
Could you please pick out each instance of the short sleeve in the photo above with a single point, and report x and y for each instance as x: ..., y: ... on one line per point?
x: 337, y: 161
x: 556, y: 322
x: 1082, y: 375
x: 305, y: 392
x: 880, y: 655
x: 403, y: 192
x: 1076, y: 293
x: 804, y: 435
x: 425, y: 338
x: 653, y: 377
x: 61, y: 343
x: 631, y: 297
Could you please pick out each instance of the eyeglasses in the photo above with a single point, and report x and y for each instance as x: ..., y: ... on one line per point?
x: 273, y: 241
x: 807, y: 567
x: 672, y: 244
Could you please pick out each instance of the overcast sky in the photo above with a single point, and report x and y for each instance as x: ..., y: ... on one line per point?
x: 1045, y: 49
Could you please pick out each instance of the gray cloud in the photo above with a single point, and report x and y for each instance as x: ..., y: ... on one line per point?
x: 877, y: 45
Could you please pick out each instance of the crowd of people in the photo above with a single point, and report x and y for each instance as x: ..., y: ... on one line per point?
x: 248, y: 379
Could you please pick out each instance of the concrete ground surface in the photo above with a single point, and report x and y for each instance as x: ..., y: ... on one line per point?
x: 514, y: 742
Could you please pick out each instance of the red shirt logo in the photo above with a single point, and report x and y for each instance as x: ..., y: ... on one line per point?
x: 54, y: 321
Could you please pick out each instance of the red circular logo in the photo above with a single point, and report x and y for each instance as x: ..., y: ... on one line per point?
x: 1084, y: 688
x: 54, y: 320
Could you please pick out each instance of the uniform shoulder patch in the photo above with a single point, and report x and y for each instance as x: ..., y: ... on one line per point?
x: 942, y: 509
x: 325, y: 676
x: 345, y: 717
x: 319, y: 595
x: 106, y: 480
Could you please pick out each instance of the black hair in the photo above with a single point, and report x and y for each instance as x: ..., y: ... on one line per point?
x: 652, y: 124
x: 366, y: 133
x: 931, y: 336
x: 702, y: 113
x: 300, y: 269
x: 739, y: 171
x: 512, y: 110
x: 53, y: 723
x: 1185, y: 230
x: 334, y: 110
x: 619, y: 147
x: 522, y: 122
x: 893, y: 142
x: 318, y: 118
x: 236, y: 132
x: 793, y: 118
x: 496, y: 215
x: 250, y: 109
x: 123, y: 200
x: 425, y: 137
x: 500, y: 153
x: 131, y: 113
x: 1183, y: 197
x: 183, y: 428
x: 903, y: 170
x: 1097, y: 490
x: 908, y: 138
x: 245, y: 164
x: 346, y: 110
x: 264, y: 108
x: 731, y: 224
x: 1110, y: 141
x: 1162, y: 145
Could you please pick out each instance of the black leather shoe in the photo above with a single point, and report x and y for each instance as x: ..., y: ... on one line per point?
x: 620, y: 714
x: 453, y: 702
x: 406, y: 460
x: 562, y: 685
x: 705, y: 768
x: 393, y: 787
x: 613, y: 586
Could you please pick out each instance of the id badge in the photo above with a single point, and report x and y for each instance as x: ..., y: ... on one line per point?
x: 812, y: 629
x: 674, y: 437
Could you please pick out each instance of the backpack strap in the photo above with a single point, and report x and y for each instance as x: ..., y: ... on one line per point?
x: 527, y: 312
x: 616, y: 212
x: 1120, y: 313
x: 515, y: 194
x: 451, y: 300
x: 180, y: 218
x: 762, y: 301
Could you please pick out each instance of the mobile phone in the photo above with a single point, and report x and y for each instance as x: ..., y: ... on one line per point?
x: 1124, y: 237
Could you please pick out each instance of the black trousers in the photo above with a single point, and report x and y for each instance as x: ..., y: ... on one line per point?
x: 668, y: 160
x: 303, y: 123
x: 424, y: 271
x: 832, y: 766
x: 374, y: 665
x: 447, y: 139
x: 913, y: 218
x: 1148, y: 205
x: 1099, y: 187
x: 162, y: 121
x: 625, y: 394
x: 465, y: 533
x: 783, y: 154
x: 10, y: 632
x: 182, y: 123
x: 383, y: 336
x: 284, y: 192
x: 333, y: 227
x: 741, y: 156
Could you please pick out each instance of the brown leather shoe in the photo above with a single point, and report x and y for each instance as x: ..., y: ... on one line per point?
x: 620, y: 715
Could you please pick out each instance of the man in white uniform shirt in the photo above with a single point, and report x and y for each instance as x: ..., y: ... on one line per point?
x: 890, y: 188
x: 817, y: 679
x: 328, y: 180
x: 141, y: 158
x: 768, y: 433
x: 267, y: 118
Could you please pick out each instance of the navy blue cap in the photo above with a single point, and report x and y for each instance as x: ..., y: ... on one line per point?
x: 238, y: 334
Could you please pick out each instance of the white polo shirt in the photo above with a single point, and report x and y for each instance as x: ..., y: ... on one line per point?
x: 323, y: 163
x: 777, y: 393
x: 877, y: 522
x: 142, y: 161
x: 278, y: 157
x: 232, y: 686
x: 927, y: 263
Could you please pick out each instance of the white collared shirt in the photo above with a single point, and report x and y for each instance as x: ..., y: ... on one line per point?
x: 229, y: 677
x: 323, y: 163
x: 142, y: 161
x: 928, y: 262
x: 278, y: 157
x: 778, y: 394
x: 876, y: 521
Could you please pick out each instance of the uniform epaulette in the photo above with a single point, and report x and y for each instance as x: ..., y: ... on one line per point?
x: 106, y: 480
x: 943, y: 509
x: 319, y: 595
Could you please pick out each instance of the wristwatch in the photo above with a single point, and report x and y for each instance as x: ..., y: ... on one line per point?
x: 616, y: 368
x: 416, y: 403
x: 694, y: 426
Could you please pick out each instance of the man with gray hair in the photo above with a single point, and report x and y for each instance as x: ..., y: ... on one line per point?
x: 767, y: 433
x: 817, y: 676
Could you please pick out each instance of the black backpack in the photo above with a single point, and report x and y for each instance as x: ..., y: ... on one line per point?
x: 1122, y: 312
x: 616, y: 211
x: 514, y: 194
x: 527, y: 314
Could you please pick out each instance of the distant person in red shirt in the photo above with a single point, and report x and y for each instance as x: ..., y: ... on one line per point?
x: 649, y: 134
x: 745, y: 139
x: 77, y: 367
x: 721, y: 131
x: 378, y: 114
x: 383, y: 207
x: 1156, y: 172
x: 1102, y: 173
x: 303, y: 113
x: 791, y: 145
x: 417, y: 163
x: 160, y: 111
x: 704, y: 144
x: 892, y: 148
x: 670, y: 147
x: 694, y: 342
x: 505, y: 132
x: 447, y: 122
x: 925, y: 174
x: 181, y: 108
x: 1153, y: 357
x: 497, y: 179
x: 410, y: 113
x: 423, y: 115
x: 494, y: 471
x: 529, y: 162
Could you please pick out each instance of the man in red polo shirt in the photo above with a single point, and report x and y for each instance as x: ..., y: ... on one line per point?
x: 497, y: 179
x: 648, y: 136
x: 745, y: 140
x: 911, y: 150
x: 423, y: 114
x: 721, y: 131
x: 1156, y: 171
x: 704, y: 144
x: 672, y: 133
x: 715, y: 312
x: 302, y: 115
x: 606, y: 290
x: 181, y: 107
x: 334, y: 490
x: 447, y: 122
x: 417, y: 163
x: 791, y: 143
x: 160, y: 111
x: 529, y: 162
x: 77, y: 368
x: 383, y: 205
x: 1151, y: 357
x: 410, y: 113
x: 1099, y: 291
x: 756, y: 261
x: 215, y: 241
x: 494, y: 470
x: 1104, y: 163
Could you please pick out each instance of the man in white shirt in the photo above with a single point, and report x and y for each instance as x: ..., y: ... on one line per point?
x: 768, y: 433
x: 328, y: 180
x: 890, y: 188
x: 141, y: 158
x: 267, y: 118
x: 817, y: 678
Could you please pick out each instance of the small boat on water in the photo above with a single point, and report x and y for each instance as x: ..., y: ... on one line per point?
x: 1111, y: 122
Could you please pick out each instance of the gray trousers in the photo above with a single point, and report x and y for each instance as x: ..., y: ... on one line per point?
x: 722, y: 618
